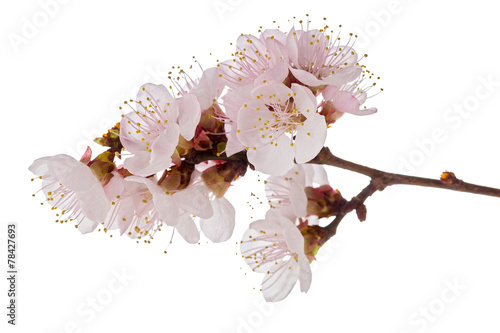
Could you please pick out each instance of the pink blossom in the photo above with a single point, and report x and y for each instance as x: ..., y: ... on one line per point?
x: 151, y: 131
x: 257, y: 59
x: 279, y: 126
x: 318, y: 59
x: 70, y: 186
x: 347, y: 98
x: 145, y: 206
x: 274, y: 246
x: 288, y: 191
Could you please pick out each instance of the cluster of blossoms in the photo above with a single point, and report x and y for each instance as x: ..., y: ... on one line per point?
x: 268, y: 109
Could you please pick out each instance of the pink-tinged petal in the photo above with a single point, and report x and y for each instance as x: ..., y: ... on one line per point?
x: 360, y: 95
x: 345, y: 102
x: 86, y: 156
x: 287, y: 211
x: 273, y: 159
x: 233, y: 145
x: 77, y: 177
x: 252, y: 245
x: 145, y: 164
x: 220, y: 226
x: 306, y: 78
x: 343, y: 76
x: 244, y: 42
x: 251, y: 118
x: 364, y: 112
x: 125, y: 211
x: 276, y: 74
x: 329, y: 92
x: 166, y: 207
x: 189, y: 115
x: 39, y: 166
x: 139, y: 164
x: 305, y: 101
x: 293, y: 237
x: 209, y: 88
x: 280, y: 281
x: 272, y: 92
x: 310, y: 138
x: 153, y: 96
x: 235, y: 99
x: 298, y: 199
x: 270, y: 224
x: 305, y: 274
x: 274, y: 34
x: 292, y: 46
x: 165, y: 144
x: 115, y: 186
x: 188, y: 230
x: 128, y: 136
x: 164, y: 203
x: 195, y: 201
x: 314, y: 174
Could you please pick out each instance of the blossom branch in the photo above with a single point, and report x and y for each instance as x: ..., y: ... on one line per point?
x: 381, y: 179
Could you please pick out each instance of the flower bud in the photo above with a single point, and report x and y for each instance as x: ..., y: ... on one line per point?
x: 102, y: 166
x: 330, y: 112
x: 324, y: 201
x: 219, y: 177
x: 449, y: 178
x: 177, y: 178
x: 111, y: 139
x: 314, y: 238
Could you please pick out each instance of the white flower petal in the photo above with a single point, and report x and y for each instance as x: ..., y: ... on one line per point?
x: 305, y: 274
x: 306, y: 77
x: 195, y: 201
x: 164, y: 204
x: 273, y: 159
x: 298, y: 199
x: 220, y: 226
x: 304, y: 100
x: 293, y: 237
x: 154, y: 96
x: 188, y: 230
x: 279, y: 283
x: 233, y: 145
x: 189, y: 115
x: 310, y: 138
x: 209, y: 87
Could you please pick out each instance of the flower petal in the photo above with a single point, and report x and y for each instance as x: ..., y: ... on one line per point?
x: 164, y: 203
x: 306, y: 78
x: 209, y: 87
x: 310, y: 138
x: 305, y: 274
x: 220, y: 226
x: 277, y: 284
x: 189, y: 115
x: 188, y: 230
x: 273, y: 159
x: 344, y: 101
x: 194, y: 200
x: 305, y: 101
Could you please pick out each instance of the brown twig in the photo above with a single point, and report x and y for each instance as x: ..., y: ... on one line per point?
x: 383, y: 179
x: 380, y: 180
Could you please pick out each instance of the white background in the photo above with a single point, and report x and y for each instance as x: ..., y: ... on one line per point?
x: 60, y: 88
